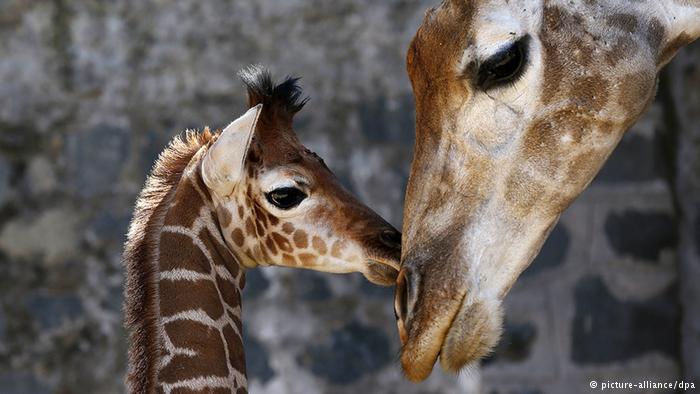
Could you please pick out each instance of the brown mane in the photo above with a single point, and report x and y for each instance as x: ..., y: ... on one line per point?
x: 141, y: 310
x: 280, y: 100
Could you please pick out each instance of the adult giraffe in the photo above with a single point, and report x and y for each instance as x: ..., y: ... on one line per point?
x: 216, y: 204
x: 518, y: 105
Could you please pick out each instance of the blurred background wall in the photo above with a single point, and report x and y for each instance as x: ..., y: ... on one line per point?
x: 91, y: 91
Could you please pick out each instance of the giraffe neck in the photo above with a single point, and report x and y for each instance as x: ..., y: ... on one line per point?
x: 200, y: 297
x: 193, y: 341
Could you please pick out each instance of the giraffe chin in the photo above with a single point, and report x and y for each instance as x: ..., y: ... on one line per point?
x: 474, y: 333
x: 470, y: 335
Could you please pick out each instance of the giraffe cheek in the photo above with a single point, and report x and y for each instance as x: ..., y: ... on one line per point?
x: 259, y: 229
x: 288, y: 228
x: 319, y: 245
x: 337, y: 249
x: 282, y: 243
x: 300, y: 239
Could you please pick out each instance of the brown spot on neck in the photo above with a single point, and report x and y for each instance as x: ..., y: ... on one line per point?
x: 187, y: 202
x: 234, y: 342
x: 170, y: 256
x: 183, y: 295
x: 210, y: 349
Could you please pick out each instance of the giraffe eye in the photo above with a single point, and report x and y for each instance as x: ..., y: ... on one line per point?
x: 504, y: 67
x: 285, y: 197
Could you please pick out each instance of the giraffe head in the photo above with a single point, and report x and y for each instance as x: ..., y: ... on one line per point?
x: 518, y: 104
x: 279, y: 204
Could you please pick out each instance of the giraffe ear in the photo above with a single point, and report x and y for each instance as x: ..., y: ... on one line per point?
x: 224, y: 163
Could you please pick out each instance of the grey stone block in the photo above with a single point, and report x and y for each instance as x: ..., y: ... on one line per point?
x: 96, y: 158
x: 5, y: 191
x: 255, y: 284
x: 51, y: 311
x: 359, y: 349
x: 310, y: 286
x: 22, y: 383
x: 257, y: 359
x: 637, y: 158
x: 641, y: 235
x: 528, y: 353
x: 553, y: 252
x: 606, y: 330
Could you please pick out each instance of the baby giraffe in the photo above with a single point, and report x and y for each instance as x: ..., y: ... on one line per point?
x: 217, y: 204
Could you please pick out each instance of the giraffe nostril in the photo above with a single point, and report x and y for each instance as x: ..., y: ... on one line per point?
x: 391, y: 238
x: 403, y: 302
x: 402, y: 294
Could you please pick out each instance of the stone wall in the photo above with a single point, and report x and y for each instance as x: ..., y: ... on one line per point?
x: 91, y: 91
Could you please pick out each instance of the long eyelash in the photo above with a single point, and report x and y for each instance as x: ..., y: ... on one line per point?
x: 523, y: 46
x: 518, y: 76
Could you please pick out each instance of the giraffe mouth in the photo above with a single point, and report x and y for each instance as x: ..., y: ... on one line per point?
x: 382, y: 260
x: 458, y: 330
x: 382, y: 272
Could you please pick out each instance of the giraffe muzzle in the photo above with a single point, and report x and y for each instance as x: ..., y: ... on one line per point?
x: 404, y: 301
